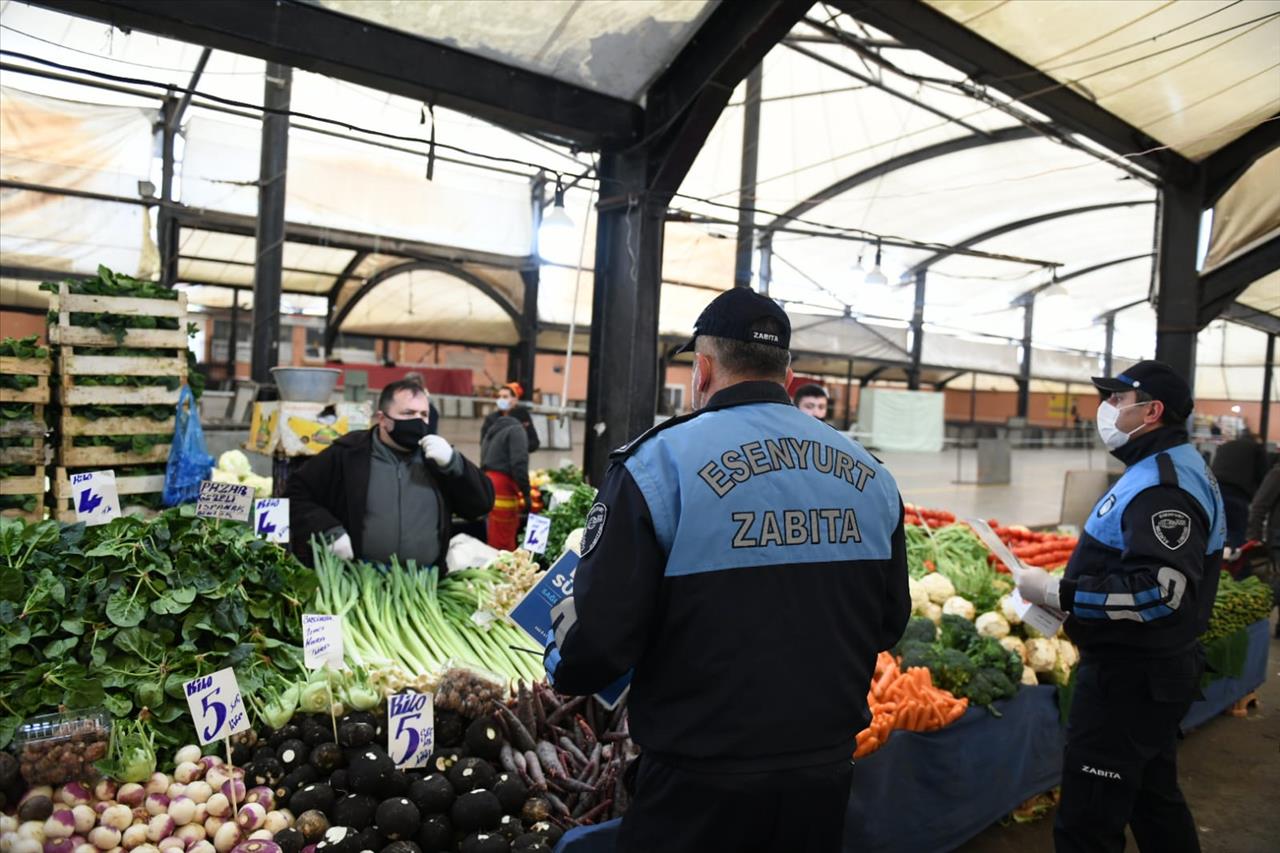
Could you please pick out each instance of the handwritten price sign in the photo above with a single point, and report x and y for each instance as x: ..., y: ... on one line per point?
x: 271, y: 518
x: 95, y: 497
x: 216, y: 706
x: 321, y: 640
x: 410, y: 729
x: 536, y: 533
x: 230, y: 501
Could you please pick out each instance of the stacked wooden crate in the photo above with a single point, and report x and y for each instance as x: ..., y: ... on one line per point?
x: 22, y: 438
x: 80, y: 357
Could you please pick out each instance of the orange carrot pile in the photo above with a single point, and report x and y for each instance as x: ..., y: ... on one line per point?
x: 905, y: 700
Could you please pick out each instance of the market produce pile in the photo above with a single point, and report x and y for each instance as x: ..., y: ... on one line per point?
x: 233, y: 467
x: 404, y: 623
x: 121, y: 614
x: 1237, y: 606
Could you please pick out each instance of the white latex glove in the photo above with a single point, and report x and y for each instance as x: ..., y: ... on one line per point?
x: 1230, y: 555
x: 341, y: 547
x: 1039, y: 587
x: 437, y: 449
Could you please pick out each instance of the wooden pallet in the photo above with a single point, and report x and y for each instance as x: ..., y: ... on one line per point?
x: 73, y: 362
x: 33, y: 427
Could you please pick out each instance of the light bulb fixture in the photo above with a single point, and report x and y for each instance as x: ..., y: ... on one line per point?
x: 876, y: 276
x: 858, y: 269
x: 556, y: 233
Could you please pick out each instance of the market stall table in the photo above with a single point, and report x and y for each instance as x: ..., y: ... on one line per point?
x: 935, y: 790
x: 1222, y: 693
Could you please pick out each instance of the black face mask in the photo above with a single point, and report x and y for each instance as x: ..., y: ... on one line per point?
x: 410, y: 431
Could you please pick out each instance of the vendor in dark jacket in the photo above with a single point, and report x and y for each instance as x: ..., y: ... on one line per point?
x: 387, y: 491
x: 1239, y: 465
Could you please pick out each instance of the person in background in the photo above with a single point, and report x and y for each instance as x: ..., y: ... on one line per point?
x: 504, y: 458
x: 391, y: 490
x: 745, y: 563
x: 1264, y: 525
x: 508, y: 403
x: 1239, y: 465
x: 812, y: 400
x: 1139, y: 589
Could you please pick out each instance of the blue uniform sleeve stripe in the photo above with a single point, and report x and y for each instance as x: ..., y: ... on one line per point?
x: 1090, y: 597
x: 1088, y: 612
x: 1155, y: 593
x: 1156, y: 612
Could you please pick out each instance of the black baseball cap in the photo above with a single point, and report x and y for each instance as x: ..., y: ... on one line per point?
x: 1156, y: 378
x: 737, y: 314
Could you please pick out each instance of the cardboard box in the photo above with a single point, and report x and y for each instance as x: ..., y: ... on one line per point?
x: 304, y: 429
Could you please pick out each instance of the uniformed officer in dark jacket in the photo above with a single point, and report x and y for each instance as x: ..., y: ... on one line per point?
x: 1139, y: 589
x: 746, y: 564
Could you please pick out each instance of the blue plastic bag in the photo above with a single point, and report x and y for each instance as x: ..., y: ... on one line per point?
x: 189, y: 459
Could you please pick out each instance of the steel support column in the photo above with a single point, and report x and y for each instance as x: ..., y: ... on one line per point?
x: 270, y: 232
x: 917, y: 332
x: 528, y: 346
x: 232, y: 339
x: 766, y: 263
x: 747, y: 180
x: 848, y: 396
x: 1024, y: 370
x: 1110, y: 345
x: 1264, y: 422
x: 166, y: 225
x: 1178, y: 299
x: 622, y: 389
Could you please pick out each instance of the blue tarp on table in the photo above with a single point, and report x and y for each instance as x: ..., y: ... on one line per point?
x: 1221, y: 694
x: 935, y: 790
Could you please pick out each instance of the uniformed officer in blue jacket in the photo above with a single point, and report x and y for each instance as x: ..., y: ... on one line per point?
x: 1139, y: 590
x: 746, y: 564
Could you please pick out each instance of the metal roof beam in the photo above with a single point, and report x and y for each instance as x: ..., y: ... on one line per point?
x: 1220, y: 287
x: 335, y: 325
x: 1021, y: 297
x: 312, y: 38
x: 1225, y: 166
x: 918, y: 25
x: 1237, y: 312
x: 893, y: 164
x: 1018, y: 225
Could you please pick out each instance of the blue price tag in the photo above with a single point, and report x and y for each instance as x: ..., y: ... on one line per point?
x: 532, y: 614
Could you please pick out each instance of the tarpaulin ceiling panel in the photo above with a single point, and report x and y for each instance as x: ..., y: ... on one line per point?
x: 348, y: 186
x: 1193, y: 75
x: 433, y: 306
x: 1263, y: 295
x: 614, y: 48
x: 1246, y: 213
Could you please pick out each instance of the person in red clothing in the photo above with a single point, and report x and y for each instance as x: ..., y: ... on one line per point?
x: 504, y: 458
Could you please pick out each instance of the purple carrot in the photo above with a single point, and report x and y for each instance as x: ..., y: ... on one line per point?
x: 567, y: 708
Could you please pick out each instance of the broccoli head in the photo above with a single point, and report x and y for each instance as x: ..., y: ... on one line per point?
x: 917, y: 653
x: 957, y: 632
x: 986, y: 686
x: 987, y: 652
x: 919, y: 629
x: 952, y: 670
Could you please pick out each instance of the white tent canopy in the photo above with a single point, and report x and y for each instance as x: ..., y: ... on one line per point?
x: 903, y: 146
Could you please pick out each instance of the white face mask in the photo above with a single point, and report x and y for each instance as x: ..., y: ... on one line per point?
x: 504, y: 403
x: 1112, y: 436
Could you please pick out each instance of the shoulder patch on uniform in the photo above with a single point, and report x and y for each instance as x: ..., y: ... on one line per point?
x: 596, y: 518
x: 1106, y: 506
x: 1172, y: 527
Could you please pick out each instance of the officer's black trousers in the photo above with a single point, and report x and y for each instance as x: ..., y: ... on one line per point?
x: 1120, y: 762
x: 675, y: 810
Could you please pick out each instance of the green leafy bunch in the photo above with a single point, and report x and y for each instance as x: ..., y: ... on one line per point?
x: 566, y: 518
x: 122, y: 614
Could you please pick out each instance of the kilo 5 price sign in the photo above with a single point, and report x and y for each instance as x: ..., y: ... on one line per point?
x: 410, y: 729
x: 216, y: 706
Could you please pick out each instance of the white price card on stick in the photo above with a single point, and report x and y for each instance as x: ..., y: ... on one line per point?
x: 536, y: 533
x: 216, y: 706
x: 1046, y: 620
x: 271, y: 519
x: 230, y: 501
x: 321, y: 640
x: 95, y: 497
x: 410, y: 729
